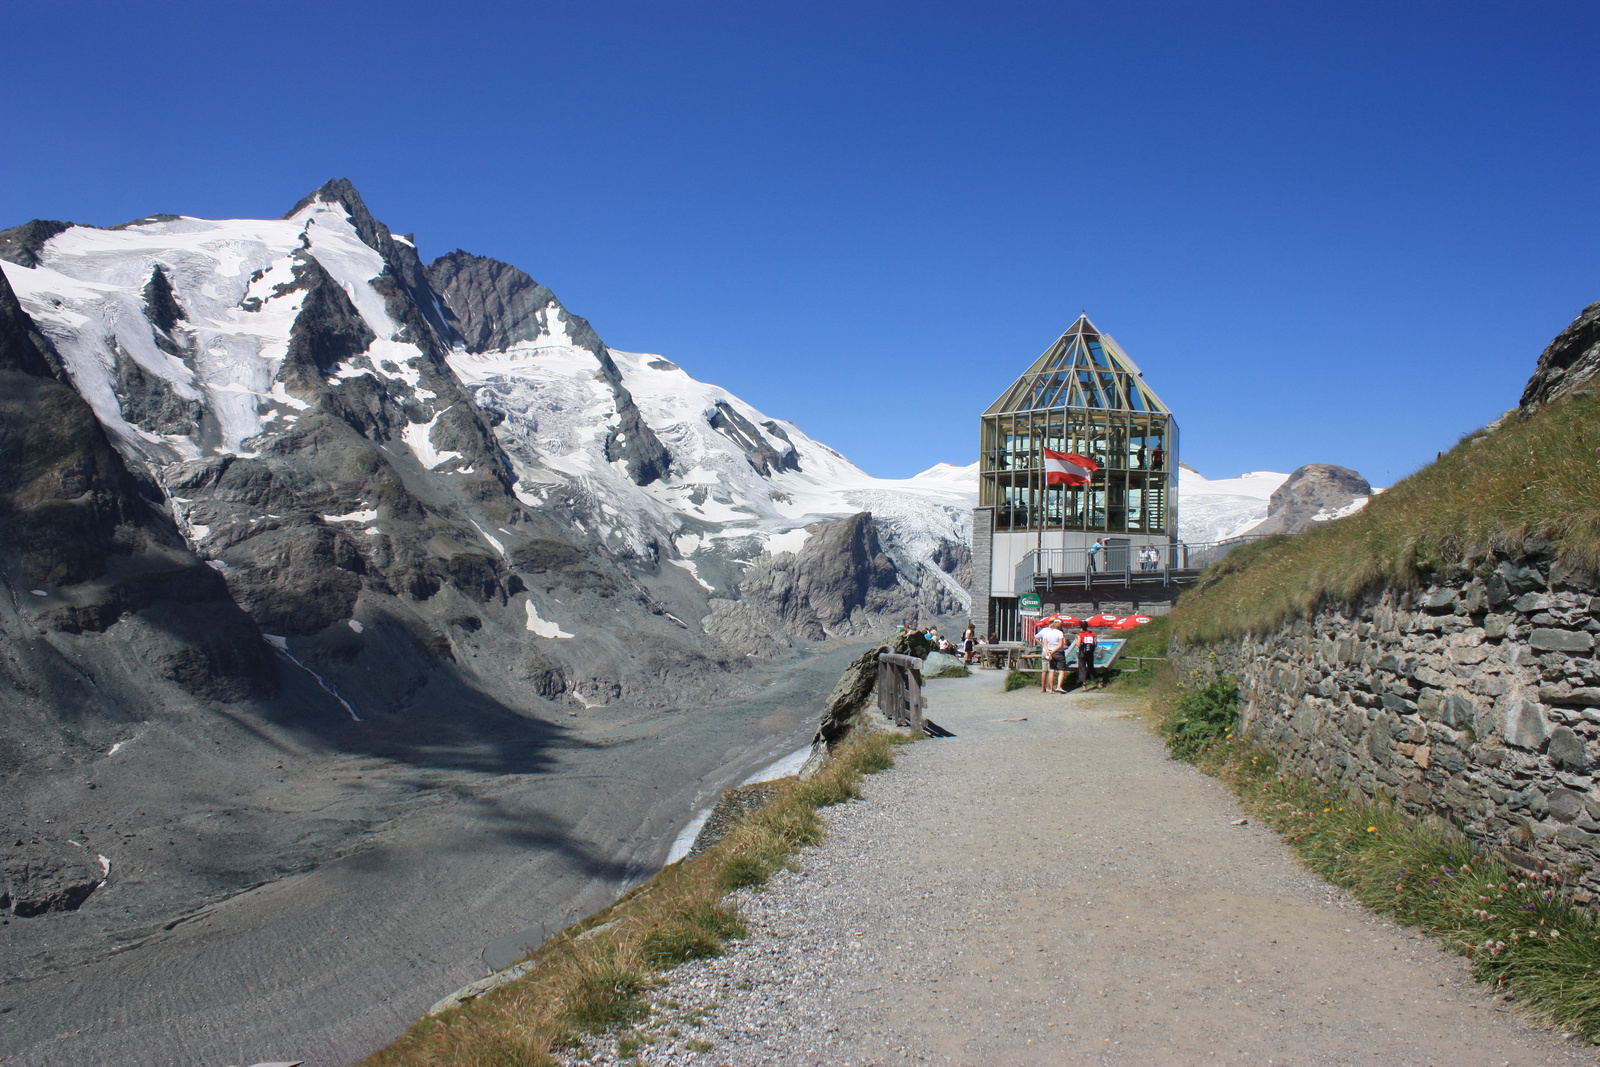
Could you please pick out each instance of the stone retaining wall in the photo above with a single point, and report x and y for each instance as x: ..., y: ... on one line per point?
x: 1477, y: 699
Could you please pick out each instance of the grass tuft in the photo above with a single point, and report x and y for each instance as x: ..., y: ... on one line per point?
x: 696, y: 930
x: 1021, y: 680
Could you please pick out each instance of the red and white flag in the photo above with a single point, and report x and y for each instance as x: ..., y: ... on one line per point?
x: 1067, y: 468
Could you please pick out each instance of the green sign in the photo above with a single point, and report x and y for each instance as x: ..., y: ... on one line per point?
x: 1028, y: 603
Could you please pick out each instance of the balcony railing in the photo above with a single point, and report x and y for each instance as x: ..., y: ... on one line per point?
x: 1053, y: 566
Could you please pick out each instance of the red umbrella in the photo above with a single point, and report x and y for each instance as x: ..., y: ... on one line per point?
x: 1130, y: 622
x: 1102, y: 620
x: 1065, y: 620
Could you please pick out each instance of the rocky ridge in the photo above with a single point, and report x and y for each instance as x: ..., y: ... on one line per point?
x: 1568, y: 362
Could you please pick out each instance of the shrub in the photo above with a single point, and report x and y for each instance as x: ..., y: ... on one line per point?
x: 1200, y: 716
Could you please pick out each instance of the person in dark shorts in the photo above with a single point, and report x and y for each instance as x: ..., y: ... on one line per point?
x: 1058, y: 659
x: 1086, y: 646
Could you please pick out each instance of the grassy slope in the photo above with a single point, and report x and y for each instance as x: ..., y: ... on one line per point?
x: 1538, y: 476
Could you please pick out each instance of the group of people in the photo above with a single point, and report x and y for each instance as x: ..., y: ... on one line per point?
x: 966, y: 648
x: 1149, y: 556
x: 1054, y: 643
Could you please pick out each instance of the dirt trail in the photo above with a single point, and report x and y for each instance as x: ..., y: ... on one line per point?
x: 1056, y: 891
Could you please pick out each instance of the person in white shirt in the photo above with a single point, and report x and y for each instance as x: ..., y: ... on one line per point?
x: 1053, y: 666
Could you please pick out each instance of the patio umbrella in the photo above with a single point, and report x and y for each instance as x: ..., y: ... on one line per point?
x: 1130, y: 622
x: 1102, y: 620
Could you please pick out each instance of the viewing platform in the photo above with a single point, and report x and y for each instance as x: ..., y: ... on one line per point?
x: 1057, y: 572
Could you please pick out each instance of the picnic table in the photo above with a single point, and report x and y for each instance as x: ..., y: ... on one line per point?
x: 1009, y: 655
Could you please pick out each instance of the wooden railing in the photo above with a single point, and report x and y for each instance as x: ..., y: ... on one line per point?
x: 900, y: 690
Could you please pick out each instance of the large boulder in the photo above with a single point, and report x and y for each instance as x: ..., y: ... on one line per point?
x: 40, y: 878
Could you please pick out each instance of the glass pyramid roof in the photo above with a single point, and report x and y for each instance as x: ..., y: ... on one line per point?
x: 1083, y: 369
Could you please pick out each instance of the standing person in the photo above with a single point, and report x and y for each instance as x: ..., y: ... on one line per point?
x: 1086, y: 646
x: 969, y: 643
x: 1155, y: 558
x: 1053, y: 661
x: 1092, y: 558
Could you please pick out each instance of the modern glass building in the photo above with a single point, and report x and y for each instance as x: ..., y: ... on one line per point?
x: 1084, y: 397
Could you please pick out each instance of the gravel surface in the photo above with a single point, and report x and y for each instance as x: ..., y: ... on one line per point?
x: 1057, y: 891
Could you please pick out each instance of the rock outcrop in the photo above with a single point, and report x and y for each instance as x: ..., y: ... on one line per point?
x: 1312, y: 494
x: 1570, y: 361
x: 840, y: 583
x: 89, y: 543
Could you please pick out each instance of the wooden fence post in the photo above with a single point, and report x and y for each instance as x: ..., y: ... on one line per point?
x: 900, y: 689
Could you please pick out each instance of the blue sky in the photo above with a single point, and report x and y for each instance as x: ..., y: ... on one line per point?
x: 1328, y: 233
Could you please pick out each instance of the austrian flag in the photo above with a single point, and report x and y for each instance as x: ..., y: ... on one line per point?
x: 1066, y: 468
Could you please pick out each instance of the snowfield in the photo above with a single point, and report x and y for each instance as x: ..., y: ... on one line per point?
x: 1215, y: 510
x: 87, y: 296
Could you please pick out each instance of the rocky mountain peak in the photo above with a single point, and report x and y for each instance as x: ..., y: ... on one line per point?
x: 493, y: 305
x: 400, y: 258
x: 1314, y: 493
x: 1569, y: 361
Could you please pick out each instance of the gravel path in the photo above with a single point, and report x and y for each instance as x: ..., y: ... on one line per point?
x: 1056, y: 891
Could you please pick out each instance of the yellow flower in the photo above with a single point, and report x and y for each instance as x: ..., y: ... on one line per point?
x: 1372, y: 829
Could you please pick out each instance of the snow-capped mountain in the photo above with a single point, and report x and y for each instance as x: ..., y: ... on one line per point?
x: 223, y: 356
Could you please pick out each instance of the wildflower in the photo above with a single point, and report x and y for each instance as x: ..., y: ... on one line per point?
x: 1372, y: 829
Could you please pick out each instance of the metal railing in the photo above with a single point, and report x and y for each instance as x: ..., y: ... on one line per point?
x: 1121, y: 561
